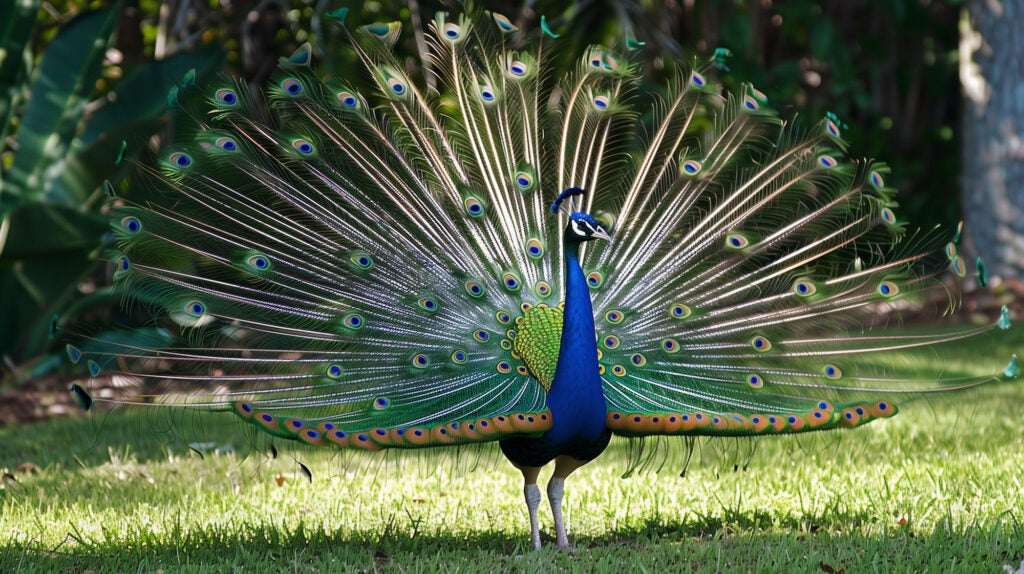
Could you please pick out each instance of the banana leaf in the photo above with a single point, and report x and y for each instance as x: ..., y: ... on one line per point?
x: 59, y: 89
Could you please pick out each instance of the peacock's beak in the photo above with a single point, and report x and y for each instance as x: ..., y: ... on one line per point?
x: 600, y: 233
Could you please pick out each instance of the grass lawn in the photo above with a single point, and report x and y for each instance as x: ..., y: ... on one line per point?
x: 940, y: 488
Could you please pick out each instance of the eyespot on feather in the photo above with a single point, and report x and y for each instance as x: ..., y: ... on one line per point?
x: 291, y: 86
x: 761, y: 344
x: 888, y: 289
x: 503, y: 23
x: 474, y: 289
x: 679, y: 311
x: 534, y: 248
x: 736, y: 241
x: 348, y: 100
x: 303, y: 146
x: 543, y: 289
x: 226, y: 97
x: 511, y: 282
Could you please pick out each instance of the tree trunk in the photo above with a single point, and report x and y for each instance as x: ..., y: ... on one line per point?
x: 992, y: 74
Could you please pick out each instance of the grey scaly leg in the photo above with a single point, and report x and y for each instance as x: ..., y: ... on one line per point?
x: 556, y: 491
x: 564, y: 466
x: 532, y: 493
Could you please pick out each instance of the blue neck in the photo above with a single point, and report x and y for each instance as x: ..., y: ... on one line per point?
x: 576, y: 398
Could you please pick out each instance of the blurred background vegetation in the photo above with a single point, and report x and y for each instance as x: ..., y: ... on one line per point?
x: 83, y: 88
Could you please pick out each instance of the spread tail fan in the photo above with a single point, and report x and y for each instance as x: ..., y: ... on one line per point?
x: 510, y: 254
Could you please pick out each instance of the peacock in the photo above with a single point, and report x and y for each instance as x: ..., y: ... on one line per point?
x: 490, y: 251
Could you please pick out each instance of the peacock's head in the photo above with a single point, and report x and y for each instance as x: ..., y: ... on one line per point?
x: 582, y: 226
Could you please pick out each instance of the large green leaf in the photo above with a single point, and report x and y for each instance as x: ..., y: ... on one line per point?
x: 60, y: 87
x: 49, y: 239
x: 49, y: 251
x: 85, y: 170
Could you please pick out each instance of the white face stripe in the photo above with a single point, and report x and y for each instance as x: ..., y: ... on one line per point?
x: 578, y: 228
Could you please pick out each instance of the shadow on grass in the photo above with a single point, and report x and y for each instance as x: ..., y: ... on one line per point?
x: 702, y: 544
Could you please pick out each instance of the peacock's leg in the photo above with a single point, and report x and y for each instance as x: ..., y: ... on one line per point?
x: 532, y: 494
x: 564, y: 466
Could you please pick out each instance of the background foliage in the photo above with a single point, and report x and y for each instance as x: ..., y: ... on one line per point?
x: 888, y: 69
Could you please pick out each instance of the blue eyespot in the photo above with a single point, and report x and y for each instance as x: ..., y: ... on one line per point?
x: 524, y: 180
x: 226, y: 97
x: 736, y: 241
x: 353, y: 321
x: 887, y: 288
x: 452, y: 31
x: 534, y: 248
x: 511, y: 282
x: 181, y: 159
x: 474, y: 289
x: 362, y: 260
x: 832, y: 128
x: 227, y: 144
x: 473, y: 206
x: 761, y: 344
x: 691, y: 167
x: 347, y: 99
x: 679, y: 311
x: 259, y: 262
x: 804, y: 288
x: 504, y: 24
x: 292, y: 86
x: 876, y: 180
x: 888, y: 216
x: 396, y: 86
